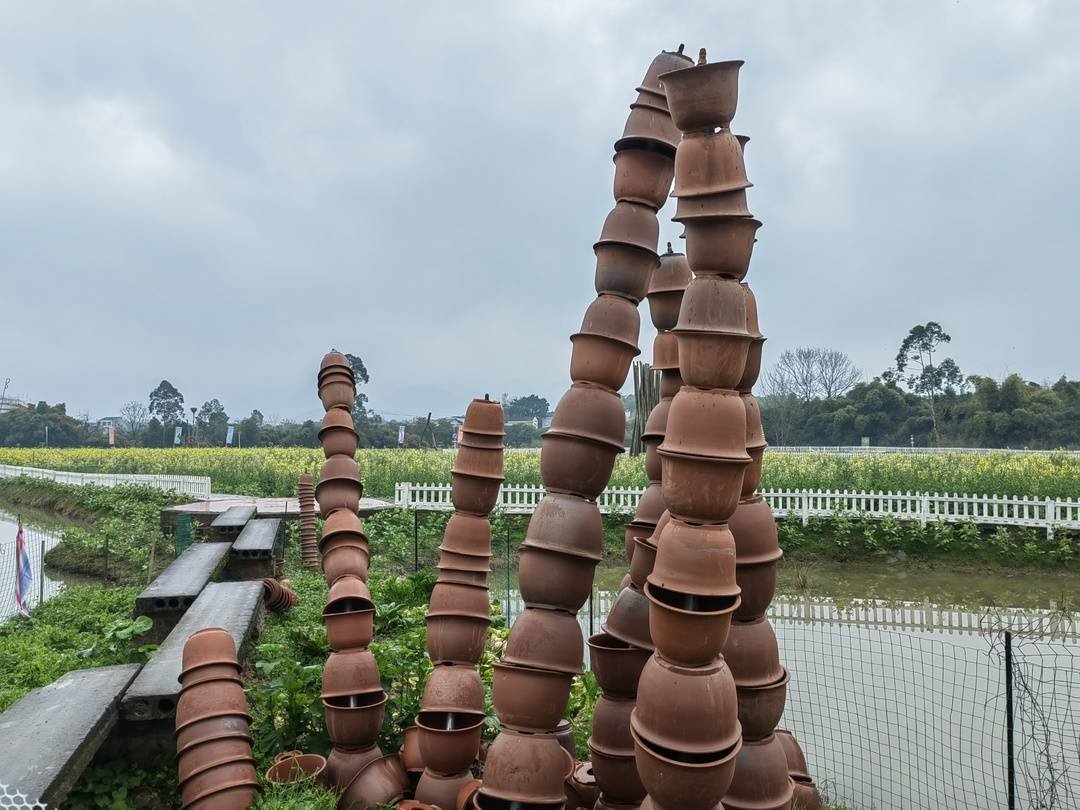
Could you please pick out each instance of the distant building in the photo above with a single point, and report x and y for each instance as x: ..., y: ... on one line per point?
x: 107, y: 422
x: 534, y: 422
x: 12, y: 404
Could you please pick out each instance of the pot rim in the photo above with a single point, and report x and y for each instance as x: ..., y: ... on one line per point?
x: 486, y: 476
x: 603, y: 242
x: 479, y: 717
x: 336, y: 427
x: 721, y: 189
x: 452, y: 614
x: 371, y: 764
x: 619, y: 754
x: 742, y: 460
x: 782, y: 681
x: 649, y: 585
x: 211, y: 716
x: 253, y: 783
x: 634, y: 346
x: 644, y: 144
x: 582, y: 436
x: 726, y: 63
x: 536, y: 545
x: 209, y: 766
x: 224, y: 735
x: 364, y: 708
x: 727, y: 754
x: 295, y: 757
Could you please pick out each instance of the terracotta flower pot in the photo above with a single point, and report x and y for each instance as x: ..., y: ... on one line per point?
x: 649, y: 122
x: 706, y: 422
x: 628, y: 619
x: 354, y: 721
x: 653, y: 467
x: 455, y: 639
x: 337, y: 392
x: 651, y: 506
x: 479, y: 461
x: 413, y: 804
x: 611, y: 726
x: 793, y: 752
x: 221, y: 784
x: 211, y: 645
x: 467, y: 534
x: 453, y: 688
x: 702, y: 489
x: 212, y: 726
x: 409, y: 753
x: 449, y: 741
x: 643, y: 175
x: 656, y: 424
x: 680, y: 780
x: 547, y: 639
x: 720, y: 246
x: 483, y: 441
x: 631, y: 224
x: 349, y: 615
x: 664, y: 62
x: 752, y: 653
x: 641, y: 564
x: 693, y: 710
x: 755, y: 444
x: 616, y: 664
x: 337, y: 435
x: 623, y: 270
x: 350, y: 672
x: 722, y: 204
x: 475, y: 494
x: 554, y: 579
x: 666, y: 287
x: 290, y: 769
x: 529, y: 699
x: 339, y: 486
x: 671, y: 380
x: 526, y: 768
x: 607, y: 343
x: 591, y: 412
x: 695, y: 559
x: 564, y: 733
x: 485, y: 417
x: 704, y: 96
x: 195, y: 758
x: 617, y: 777
x: 665, y: 352
x: 754, y: 529
x: 467, y: 793
x: 343, y: 526
x: 758, y: 586
x: 761, y: 707
x: 711, y: 359
x: 381, y: 781
x: 344, y: 764
x: 210, y: 699
x: 459, y: 577
x: 442, y: 791
x: 804, y: 794
x: 574, y: 465
x: 711, y: 303
x: 708, y: 163
x: 334, y: 358
x: 341, y: 559
x: 478, y: 563
x: 567, y: 523
x: 461, y: 600
x: 761, y: 779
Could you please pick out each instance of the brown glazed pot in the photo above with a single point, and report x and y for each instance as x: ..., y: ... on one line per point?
x: 529, y: 699
x: 339, y: 485
x: 631, y: 224
x: 611, y: 726
x: 441, y: 791
x: 526, y: 768
x: 752, y: 653
x: 758, y: 586
x: 351, y: 672
x: 641, y: 564
x: 341, y: 558
x: 449, y: 741
x: 628, y: 619
x: 460, y: 600
x: 467, y: 534
x: 720, y: 246
x: 724, y: 204
x: 693, y: 710
x: 479, y: 461
x: 714, y: 304
x: 409, y: 753
x: 712, y: 359
x: 708, y: 163
x: 761, y: 707
x: 704, y: 96
x: 761, y: 777
x: 577, y: 466
x: 455, y: 639
x: 291, y: 768
x: 649, y: 122
x: 616, y: 776
x: 700, y: 488
x: 706, y: 422
x: 453, y: 688
x: 381, y: 781
x: 656, y: 424
x: 337, y: 435
x: 643, y: 175
x: 567, y: 523
x: 805, y: 794
x: 679, y: 780
x: 354, y: 721
x: 623, y: 270
x: 793, y: 752
x: 555, y: 579
x: 475, y: 494
x: 665, y: 352
x: 343, y: 764
x: 754, y: 529
x: 548, y: 639
x: 616, y: 664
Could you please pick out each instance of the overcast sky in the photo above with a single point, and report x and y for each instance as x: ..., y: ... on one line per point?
x: 218, y: 193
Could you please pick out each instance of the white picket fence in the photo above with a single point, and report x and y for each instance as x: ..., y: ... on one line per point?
x: 197, y: 486
x: 1046, y: 514
x: 855, y: 450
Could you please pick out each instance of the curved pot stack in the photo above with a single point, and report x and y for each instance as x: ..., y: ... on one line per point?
x: 309, y: 549
x: 213, y: 740
x: 354, y: 702
x: 451, y: 718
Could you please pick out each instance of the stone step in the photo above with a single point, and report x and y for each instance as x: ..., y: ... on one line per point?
x: 49, y: 737
x: 228, y: 525
x: 254, y: 551
x: 177, y: 587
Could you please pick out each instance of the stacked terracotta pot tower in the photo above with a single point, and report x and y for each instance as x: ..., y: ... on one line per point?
x: 305, y: 490
x: 452, y: 709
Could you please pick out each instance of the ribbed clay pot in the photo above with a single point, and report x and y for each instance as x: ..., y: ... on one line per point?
x: 793, y: 752
x: 679, y: 780
x: 455, y: 639
x: 623, y: 270
x: 641, y: 564
x: 665, y: 352
x: 695, y: 559
x: 343, y: 764
x: 475, y: 494
x: 529, y: 699
x: 354, y: 721
x: 479, y: 461
x: 409, y: 753
x: 606, y: 345
x: 631, y: 224
x: 701, y: 488
x: 752, y: 653
x: 334, y: 360
x: 349, y: 673
x: 292, y: 768
x: 758, y: 586
x: 453, y: 688
x: 704, y: 96
x: 349, y: 615
x: 643, y: 175
x: 628, y: 619
x: 754, y: 530
x: 649, y: 122
x: 616, y: 775
x: 616, y: 664
x: 693, y: 710
x: 706, y: 422
x: 761, y: 707
x: 709, y: 163
x: 342, y: 558
x: 548, y: 639
x: 211, y: 645
x: 381, y: 781
x: 555, y: 579
x: 337, y: 435
x: 467, y: 534
x: 568, y: 523
x: 805, y: 795
x: 441, y: 791
x: 339, y: 485
x: 723, y: 204
x: 196, y: 757
x: 462, y: 600
x: 761, y: 779
x: 526, y: 768
x: 720, y: 246
x: 214, y: 726
x: 449, y: 741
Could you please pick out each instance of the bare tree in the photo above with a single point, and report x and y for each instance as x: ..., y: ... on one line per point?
x: 808, y: 372
x: 134, y: 415
x: 836, y: 373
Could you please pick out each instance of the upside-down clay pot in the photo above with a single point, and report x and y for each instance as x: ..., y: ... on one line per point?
x: 349, y: 615
x: 548, y: 639
x: 695, y: 559
x: 649, y: 122
x: 555, y: 579
x: 720, y: 246
x: 611, y: 726
x: 479, y: 461
x: 228, y: 783
x: 758, y: 586
x: 722, y: 204
x: 653, y: 467
x: 641, y: 564
x: 526, y: 768
x: 467, y: 534
x: 339, y: 485
x: 752, y: 653
x: 208, y: 699
x: 337, y: 391
x: 753, y: 355
x: 607, y: 342
x: 651, y: 506
x: 529, y: 699
x: 343, y: 764
x: 441, y: 791
x: 350, y: 673
x: 475, y: 494
x: 453, y: 688
x: 462, y: 600
x: 354, y: 721
x: 616, y: 775
x: 591, y: 412
x: 628, y: 619
x: 711, y: 358
x: 409, y: 753
x: 665, y: 353
x: 211, y: 645
x: 670, y: 380
x: 686, y: 781
x: 455, y: 639
x: 343, y: 526
x: 713, y: 304
x: 210, y: 727
x: 761, y: 779
x: 755, y: 443
x: 337, y: 435
x: 632, y: 531
x: 461, y: 577
x: 195, y: 758
x: 664, y: 62
x: 631, y: 224
x: 567, y: 523
x: 334, y: 361
x: 709, y: 163
x: 381, y: 781
x: 703, y: 489
x: 656, y: 424
x: 575, y: 465
x: 753, y: 528
x: 704, y: 96
x: 693, y: 710
x: 341, y: 558
x: 666, y: 288
x: 642, y: 174
x: 616, y: 664
x: 484, y: 424
x: 793, y: 752
x: 449, y: 741
x: 623, y: 270
x: 564, y: 733
x: 476, y: 563
x: 706, y: 422
x: 761, y: 707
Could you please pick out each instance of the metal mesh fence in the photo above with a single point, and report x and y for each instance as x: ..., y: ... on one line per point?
x: 38, y: 543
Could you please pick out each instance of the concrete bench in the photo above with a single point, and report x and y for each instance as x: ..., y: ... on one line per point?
x: 227, y: 526
x: 177, y: 587
x: 254, y: 551
x: 49, y: 737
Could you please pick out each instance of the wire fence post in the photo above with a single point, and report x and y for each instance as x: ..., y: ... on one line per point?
x: 1010, y: 752
x: 41, y: 575
x: 506, y: 518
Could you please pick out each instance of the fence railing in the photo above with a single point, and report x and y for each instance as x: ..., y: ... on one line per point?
x: 1047, y: 514
x: 852, y: 450
x: 198, y: 486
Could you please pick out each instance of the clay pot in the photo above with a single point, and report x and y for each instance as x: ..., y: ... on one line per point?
x: 337, y: 391
x: 442, y: 791
x: 337, y: 435
x: 710, y: 359
x: 695, y: 559
x: 343, y: 764
x: 611, y: 726
x: 651, y: 506
x: 453, y: 688
x: 343, y: 526
x: 455, y: 639
x: 649, y: 122
x: 341, y: 558
x: 529, y: 699
x: 581, y: 790
x: 706, y: 422
x: 276, y: 596
x: 354, y: 721
x: 664, y: 62
x: 482, y: 441
x: 701, y: 489
x: 758, y: 586
x: 666, y: 351
x: 526, y: 768
x: 723, y: 204
x: 709, y: 163
x: 702, y: 97
x: 567, y: 523
x: 680, y: 780
x: 291, y: 768
x: 458, y: 577
x: 547, y: 639
x: 653, y: 468
x: 607, y: 342
x: 713, y: 304
x: 631, y: 532
x: 467, y: 534
x: 332, y: 359
x: 755, y: 443
x: 339, y: 486
x: 666, y: 288
x: 616, y: 776
x: 449, y: 741
x: 793, y: 752
x: 642, y: 174
x: 754, y: 529
x: 224, y: 748
x: 656, y: 424
x: 413, y: 804
x: 624, y: 583
x: 761, y: 707
x: 211, y: 645
x: 574, y: 465
x: 628, y: 619
x: 805, y: 794
x: 616, y: 664
x: 641, y: 564
x: 591, y: 412
x: 693, y: 710
x: 475, y: 494
x: 349, y: 615
x: 670, y: 379
x: 381, y: 781
x: 409, y: 753
x: 349, y: 673
x: 761, y: 779
x: 212, y: 726
x: 479, y: 461
x: 564, y: 733
x: 476, y: 563
x: 720, y: 246
x: 752, y: 653
x: 223, y: 784
x: 623, y: 270
x: 631, y: 224
x: 222, y: 671
x: 484, y: 417
x: 208, y: 699
x: 460, y: 600
x: 554, y: 579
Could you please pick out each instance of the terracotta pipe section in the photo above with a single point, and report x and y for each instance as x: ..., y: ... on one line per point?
x: 213, y: 735
x: 305, y: 490
x: 440, y: 748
